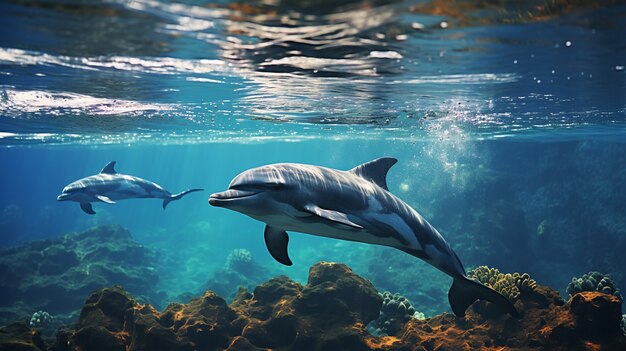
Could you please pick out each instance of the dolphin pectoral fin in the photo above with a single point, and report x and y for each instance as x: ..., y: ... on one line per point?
x: 86, y: 207
x: 376, y: 170
x: 276, y: 241
x: 330, y: 215
x: 105, y: 199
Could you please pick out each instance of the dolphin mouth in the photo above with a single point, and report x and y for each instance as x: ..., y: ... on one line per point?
x: 221, y: 199
x: 63, y: 197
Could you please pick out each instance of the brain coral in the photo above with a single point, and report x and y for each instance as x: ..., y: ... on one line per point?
x: 41, y: 320
x: 239, y: 260
x: 394, y: 313
x: 509, y: 285
x: 593, y: 281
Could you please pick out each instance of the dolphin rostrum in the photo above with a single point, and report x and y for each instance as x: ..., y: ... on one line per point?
x: 353, y: 205
x: 109, y: 186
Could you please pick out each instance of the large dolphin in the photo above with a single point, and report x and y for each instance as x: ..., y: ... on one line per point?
x: 353, y: 205
x: 109, y: 186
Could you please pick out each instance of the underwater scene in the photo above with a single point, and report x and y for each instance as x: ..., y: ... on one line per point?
x: 312, y: 175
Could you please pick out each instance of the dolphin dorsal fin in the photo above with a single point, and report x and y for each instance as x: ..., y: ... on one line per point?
x: 376, y: 170
x: 109, y: 168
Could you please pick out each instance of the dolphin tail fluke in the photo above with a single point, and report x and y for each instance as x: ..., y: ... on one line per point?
x: 178, y: 196
x: 464, y: 292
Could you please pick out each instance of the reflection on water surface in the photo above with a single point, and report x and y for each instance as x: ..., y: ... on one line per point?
x: 193, y: 70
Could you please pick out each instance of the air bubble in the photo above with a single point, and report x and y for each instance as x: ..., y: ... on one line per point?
x: 568, y: 43
x: 416, y: 25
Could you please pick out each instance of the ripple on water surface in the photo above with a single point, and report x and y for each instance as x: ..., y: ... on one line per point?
x: 144, y: 70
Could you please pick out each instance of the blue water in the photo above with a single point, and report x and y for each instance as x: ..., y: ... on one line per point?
x: 501, y: 118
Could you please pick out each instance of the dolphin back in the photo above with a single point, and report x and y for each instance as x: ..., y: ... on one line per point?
x: 178, y: 196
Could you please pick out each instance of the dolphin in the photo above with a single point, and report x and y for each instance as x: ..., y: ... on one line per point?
x: 353, y: 205
x: 109, y: 186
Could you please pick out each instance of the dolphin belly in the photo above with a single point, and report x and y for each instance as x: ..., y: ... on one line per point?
x: 303, y: 222
x: 129, y: 187
x: 127, y: 190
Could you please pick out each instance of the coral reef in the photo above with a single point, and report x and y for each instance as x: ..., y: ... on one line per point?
x: 555, y: 182
x: 509, y: 285
x: 240, y: 260
x: 328, y: 313
x: 394, y: 313
x: 623, y: 325
x: 424, y: 286
x: 57, y: 275
x: 515, y: 209
x: 41, y: 320
x: 240, y: 270
x: 593, y: 281
x: 588, y: 322
x: 544, y: 229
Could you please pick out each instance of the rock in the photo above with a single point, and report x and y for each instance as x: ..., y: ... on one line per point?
x: 598, y: 315
x: 18, y: 336
x: 242, y: 344
x: 96, y: 338
x: 328, y: 313
x: 107, y: 308
x: 546, y: 322
x: 203, y: 322
x: 334, y: 287
x: 57, y: 275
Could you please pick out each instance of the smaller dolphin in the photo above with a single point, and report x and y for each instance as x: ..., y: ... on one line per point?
x: 109, y: 186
